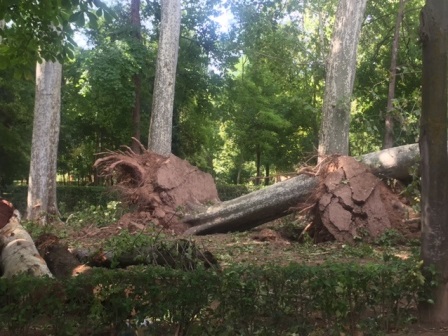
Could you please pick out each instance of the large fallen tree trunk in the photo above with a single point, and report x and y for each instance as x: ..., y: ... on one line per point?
x: 253, y: 209
x: 276, y: 201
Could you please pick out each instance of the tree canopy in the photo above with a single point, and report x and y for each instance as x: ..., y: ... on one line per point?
x: 248, y: 95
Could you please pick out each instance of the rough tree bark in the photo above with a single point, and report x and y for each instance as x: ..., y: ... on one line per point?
x: 341, y: 69
x: 394, y: 162
x: 137, y: 78
x: 433, y: 148
x: 277, y: 200
x: 253, y: 209
x: 160, y: 129
x: 389, y: 120
x: 42, y: 178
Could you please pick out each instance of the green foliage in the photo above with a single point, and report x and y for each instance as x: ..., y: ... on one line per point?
x: 85, y: 214
x: 274, y: 89
x: 230, y: 191
x: 127, y: 243
x: 246, y: 98
x: 329, y: 298
x: 372, y: 78
x: 155, y: 249
x: 390, y: 238
x: 16, y: 107
x: 99, y: 97
x: 37, y: 30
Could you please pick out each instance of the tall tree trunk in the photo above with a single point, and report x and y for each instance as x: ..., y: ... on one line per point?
x: 2, y: 26
x: 160, y: 129
x: 137, y: 78
x: 433, y: 151
x: 341, y: 69
x: 44, y: 149
x: 389, y: 120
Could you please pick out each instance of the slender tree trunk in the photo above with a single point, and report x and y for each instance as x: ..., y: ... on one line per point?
x: 240, y: 168
x: 160, y: 129
x: 433, y: 151
x: 341, y: 69
x: 137, y: 78
x: 258, y: 165
x: 266, y: 179
x: 42, y: 179
x: 136, y: 112
x: 389, y: 120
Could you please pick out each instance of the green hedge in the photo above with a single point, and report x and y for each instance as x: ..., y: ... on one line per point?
x: 70, y: 197
x: 298, y: 299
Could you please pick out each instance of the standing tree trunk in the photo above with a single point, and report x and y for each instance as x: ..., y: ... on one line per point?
x: 44, y: 149
x: 389, y: 120
x: 160, y: 128
x: 267, y: 178
x: 433, y: 151
x: 2, y: 26
x: 341, y: 69
x: 137, y: 78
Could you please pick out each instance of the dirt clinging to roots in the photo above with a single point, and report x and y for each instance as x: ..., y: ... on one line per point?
x: 160, y: 188
x: 353, y: 203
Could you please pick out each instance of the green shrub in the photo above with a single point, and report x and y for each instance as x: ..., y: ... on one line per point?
x: 330, y: 298
x: 230, y: 191
x: 99, y: 215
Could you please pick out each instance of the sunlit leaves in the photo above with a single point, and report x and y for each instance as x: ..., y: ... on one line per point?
x: 274, y: 92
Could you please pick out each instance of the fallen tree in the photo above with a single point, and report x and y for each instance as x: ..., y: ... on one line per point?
x: 171, y: 193
x: 278, y: 200
x: 339, y: 196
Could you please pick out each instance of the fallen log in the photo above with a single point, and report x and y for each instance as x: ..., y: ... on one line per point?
x: 276, y: 201
x: 396, y: 162
x: 251, y: 210
x: 60, y: 261
x: 18, y: 252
